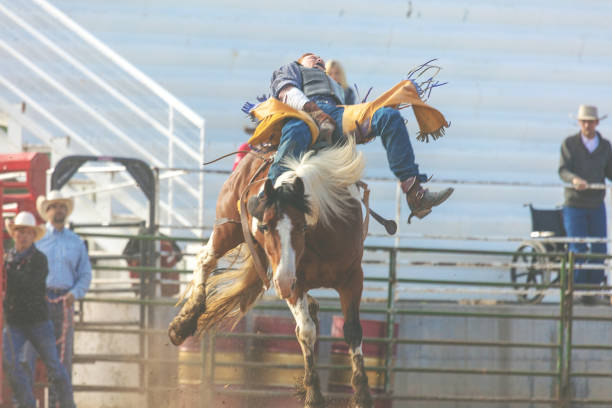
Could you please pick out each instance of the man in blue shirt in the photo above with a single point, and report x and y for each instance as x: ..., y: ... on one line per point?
x: 69, y: 273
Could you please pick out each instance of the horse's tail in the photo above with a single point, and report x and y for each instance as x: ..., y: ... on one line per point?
x: 230, y: 294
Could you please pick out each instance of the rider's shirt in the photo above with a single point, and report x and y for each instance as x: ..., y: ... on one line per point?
x: 315, y: 84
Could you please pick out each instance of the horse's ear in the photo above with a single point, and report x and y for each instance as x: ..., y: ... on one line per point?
x: 298, y: 186
x: 269, y: 188
x: 255, y: 205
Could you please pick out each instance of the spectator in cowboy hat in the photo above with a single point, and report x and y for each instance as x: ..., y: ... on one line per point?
x: 26, y: 312
x: 586, y: 158
x: 69, y: 275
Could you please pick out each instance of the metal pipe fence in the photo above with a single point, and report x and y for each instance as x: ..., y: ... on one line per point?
x: 394, y: 309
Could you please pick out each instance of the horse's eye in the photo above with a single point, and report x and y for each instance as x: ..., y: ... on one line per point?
x: 262, y: 227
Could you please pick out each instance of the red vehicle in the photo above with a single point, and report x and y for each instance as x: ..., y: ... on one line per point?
x: 24, y: 176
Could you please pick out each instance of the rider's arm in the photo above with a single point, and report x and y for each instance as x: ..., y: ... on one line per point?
x: 286, y: 86
x: 293, y: 97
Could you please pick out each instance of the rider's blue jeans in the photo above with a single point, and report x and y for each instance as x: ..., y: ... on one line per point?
x: 42, y: 337
x: 386, y: 122
x: 587, y: 222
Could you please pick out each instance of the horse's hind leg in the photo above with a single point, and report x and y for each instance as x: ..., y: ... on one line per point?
x: 305, y: 314
x: 350, y: 297
x: 222, y: 239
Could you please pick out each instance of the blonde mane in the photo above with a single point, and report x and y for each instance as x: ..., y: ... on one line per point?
x: 327, y: 175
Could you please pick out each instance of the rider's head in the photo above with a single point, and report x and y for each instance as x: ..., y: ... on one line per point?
x: 310, y: 60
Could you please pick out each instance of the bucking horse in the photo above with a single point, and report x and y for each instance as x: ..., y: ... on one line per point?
x: 309, y: 234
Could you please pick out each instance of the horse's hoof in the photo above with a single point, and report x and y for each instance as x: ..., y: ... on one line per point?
x: 177, y: 334
x: 175, y: 337
x: 186, y: 323
x: 362, y: 401
x: 182, y: 327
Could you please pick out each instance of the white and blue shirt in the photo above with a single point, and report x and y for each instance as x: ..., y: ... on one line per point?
x: 69, y: 266
x: 590, y: 144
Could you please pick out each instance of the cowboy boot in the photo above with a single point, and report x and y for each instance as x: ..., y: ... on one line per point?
x: 420, y: 200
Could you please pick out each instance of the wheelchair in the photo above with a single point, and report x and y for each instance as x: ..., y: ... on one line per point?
x: 535, y: 267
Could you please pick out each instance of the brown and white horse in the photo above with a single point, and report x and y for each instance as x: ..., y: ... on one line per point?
x: 310, y: 232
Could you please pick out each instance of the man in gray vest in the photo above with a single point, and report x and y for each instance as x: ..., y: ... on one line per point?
x: 304, y: 86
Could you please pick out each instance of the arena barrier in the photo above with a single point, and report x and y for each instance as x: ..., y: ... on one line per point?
x: 481, y: 347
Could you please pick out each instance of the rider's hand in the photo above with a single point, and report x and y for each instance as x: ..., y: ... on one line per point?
x: 325, y: 122
x: 579, y: 183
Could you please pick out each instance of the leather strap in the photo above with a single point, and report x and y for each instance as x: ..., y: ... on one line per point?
x: 248, y: 238
x: 366, y: 202
x: 221, y: 221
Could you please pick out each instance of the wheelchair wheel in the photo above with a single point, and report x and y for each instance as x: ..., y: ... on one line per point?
x: 533, y: 271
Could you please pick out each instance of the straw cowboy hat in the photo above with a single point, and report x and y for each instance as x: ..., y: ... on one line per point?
x: 25, y: 219
x: 54, y: 196
x: 588, y: 112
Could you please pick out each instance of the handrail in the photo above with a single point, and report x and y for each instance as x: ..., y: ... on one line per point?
x: 49, y: 116
x: 121, y: 62
x: 99, y: 81
x: 78, y: 101
x: 181, y: 132
x: 179, y: 171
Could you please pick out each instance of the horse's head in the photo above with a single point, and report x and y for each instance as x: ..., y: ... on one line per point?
x: 279, y: 225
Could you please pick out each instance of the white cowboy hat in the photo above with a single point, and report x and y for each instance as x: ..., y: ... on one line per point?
x: 54, y: 196
x: 588, y: 112
x: 25, y: 219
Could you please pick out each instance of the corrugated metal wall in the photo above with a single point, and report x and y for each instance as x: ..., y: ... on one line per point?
x: 516, y: 70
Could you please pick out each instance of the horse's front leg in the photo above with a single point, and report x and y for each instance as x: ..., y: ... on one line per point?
x: 350, y: 297
x: 305, y: 314
x: 222, y: 239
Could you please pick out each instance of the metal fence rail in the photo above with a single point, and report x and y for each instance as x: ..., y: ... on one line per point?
x: 391, y: 309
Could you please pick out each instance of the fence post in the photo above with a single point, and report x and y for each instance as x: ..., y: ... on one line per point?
x: 143, y: 318
x: 561, y: 340
x: 149, y: 294
x: 390, y: 318
x: 567, y: 300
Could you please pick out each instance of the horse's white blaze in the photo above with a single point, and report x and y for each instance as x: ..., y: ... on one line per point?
x: 307, y: 328
x: 285, y: 275
x: 358, y: 350
x: 205, y: 260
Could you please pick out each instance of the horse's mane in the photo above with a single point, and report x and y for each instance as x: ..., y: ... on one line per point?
x: 327, y: 175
